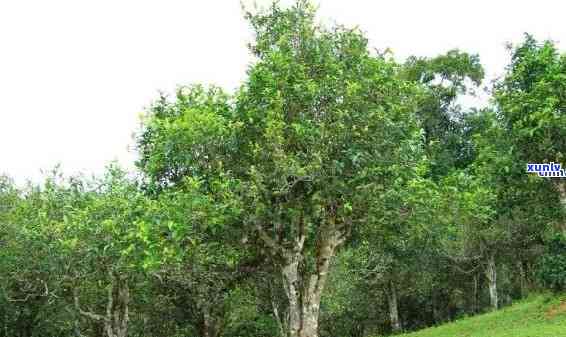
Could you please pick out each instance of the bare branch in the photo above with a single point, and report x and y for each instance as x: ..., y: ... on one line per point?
x: 88, y: 314
x: 125, y: 297
x: 269, y: 242
x: 25, y: 299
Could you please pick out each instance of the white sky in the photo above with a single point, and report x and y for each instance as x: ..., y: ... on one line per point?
x: 75, y: 74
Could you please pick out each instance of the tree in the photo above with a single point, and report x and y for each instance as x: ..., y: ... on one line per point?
x: 196, y: 256
x: 493, y: 202
x: 531, y: 100
x: 101, y: 241
x: 30, y: 262
x: 444, y: 80
x: 308, y: 140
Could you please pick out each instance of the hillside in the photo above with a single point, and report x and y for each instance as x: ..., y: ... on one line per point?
x: 538, y: 316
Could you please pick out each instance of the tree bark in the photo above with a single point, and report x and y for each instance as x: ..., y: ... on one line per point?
x: 436, y: 315
x: 303, y: 299
x: 211, y: 327
x: 290, y: 272
x: 393, y: 308
x: 304, y: 292
x: 278, y: 319
x: 475, y: 304
x: 116, y: 318
x: 522, y: 279
x: 491, y: 274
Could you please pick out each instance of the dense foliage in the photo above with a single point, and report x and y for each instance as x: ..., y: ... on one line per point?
x: 337, y: 192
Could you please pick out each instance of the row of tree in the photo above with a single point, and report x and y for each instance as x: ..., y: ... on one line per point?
x: 336, y: 193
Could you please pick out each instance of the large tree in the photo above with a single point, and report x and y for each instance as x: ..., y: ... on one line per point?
x: 317, y: 132
x: 531, y: 99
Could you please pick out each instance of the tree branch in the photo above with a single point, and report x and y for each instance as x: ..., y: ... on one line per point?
x: 88, y: 314
x: 269, y: 242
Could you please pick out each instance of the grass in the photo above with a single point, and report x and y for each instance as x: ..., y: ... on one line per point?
x: 537, y: 316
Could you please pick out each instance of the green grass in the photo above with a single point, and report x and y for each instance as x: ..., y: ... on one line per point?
x: 538, y: 316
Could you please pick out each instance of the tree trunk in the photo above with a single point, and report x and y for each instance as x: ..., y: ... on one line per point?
x: 491, y: 274
x: 522, y: 279
x: 310, y: 320
x: 116, y: 317
x: 304, y: 292
x: 290, y: 272
x: 393, y: 308
x: 475, y: 304
x: 210, y: 325
x: 278, y: 319
x: 303, y: 301
x: 207, y: 325
x: 436, y: 316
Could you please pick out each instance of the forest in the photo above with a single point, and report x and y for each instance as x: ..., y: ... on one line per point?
x: 338, y: 192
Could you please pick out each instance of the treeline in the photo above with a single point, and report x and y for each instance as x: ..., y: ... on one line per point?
x: 337, y: 192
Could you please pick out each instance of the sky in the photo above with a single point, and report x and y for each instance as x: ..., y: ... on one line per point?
x: 75, y: 75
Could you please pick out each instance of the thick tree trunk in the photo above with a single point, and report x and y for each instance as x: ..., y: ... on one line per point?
x: 290, y: 272
x: 310, y: 320
x: 491, y: 274
x: 393, y: 308
x: 303, y: 301
x: 304, y: 292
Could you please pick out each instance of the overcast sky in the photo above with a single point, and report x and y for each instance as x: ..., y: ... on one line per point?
x: 75, y: 75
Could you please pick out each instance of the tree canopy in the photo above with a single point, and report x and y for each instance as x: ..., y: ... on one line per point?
x: 336, y: 192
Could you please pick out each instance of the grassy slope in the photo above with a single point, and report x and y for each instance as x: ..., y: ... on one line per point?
x: 535, y: 317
